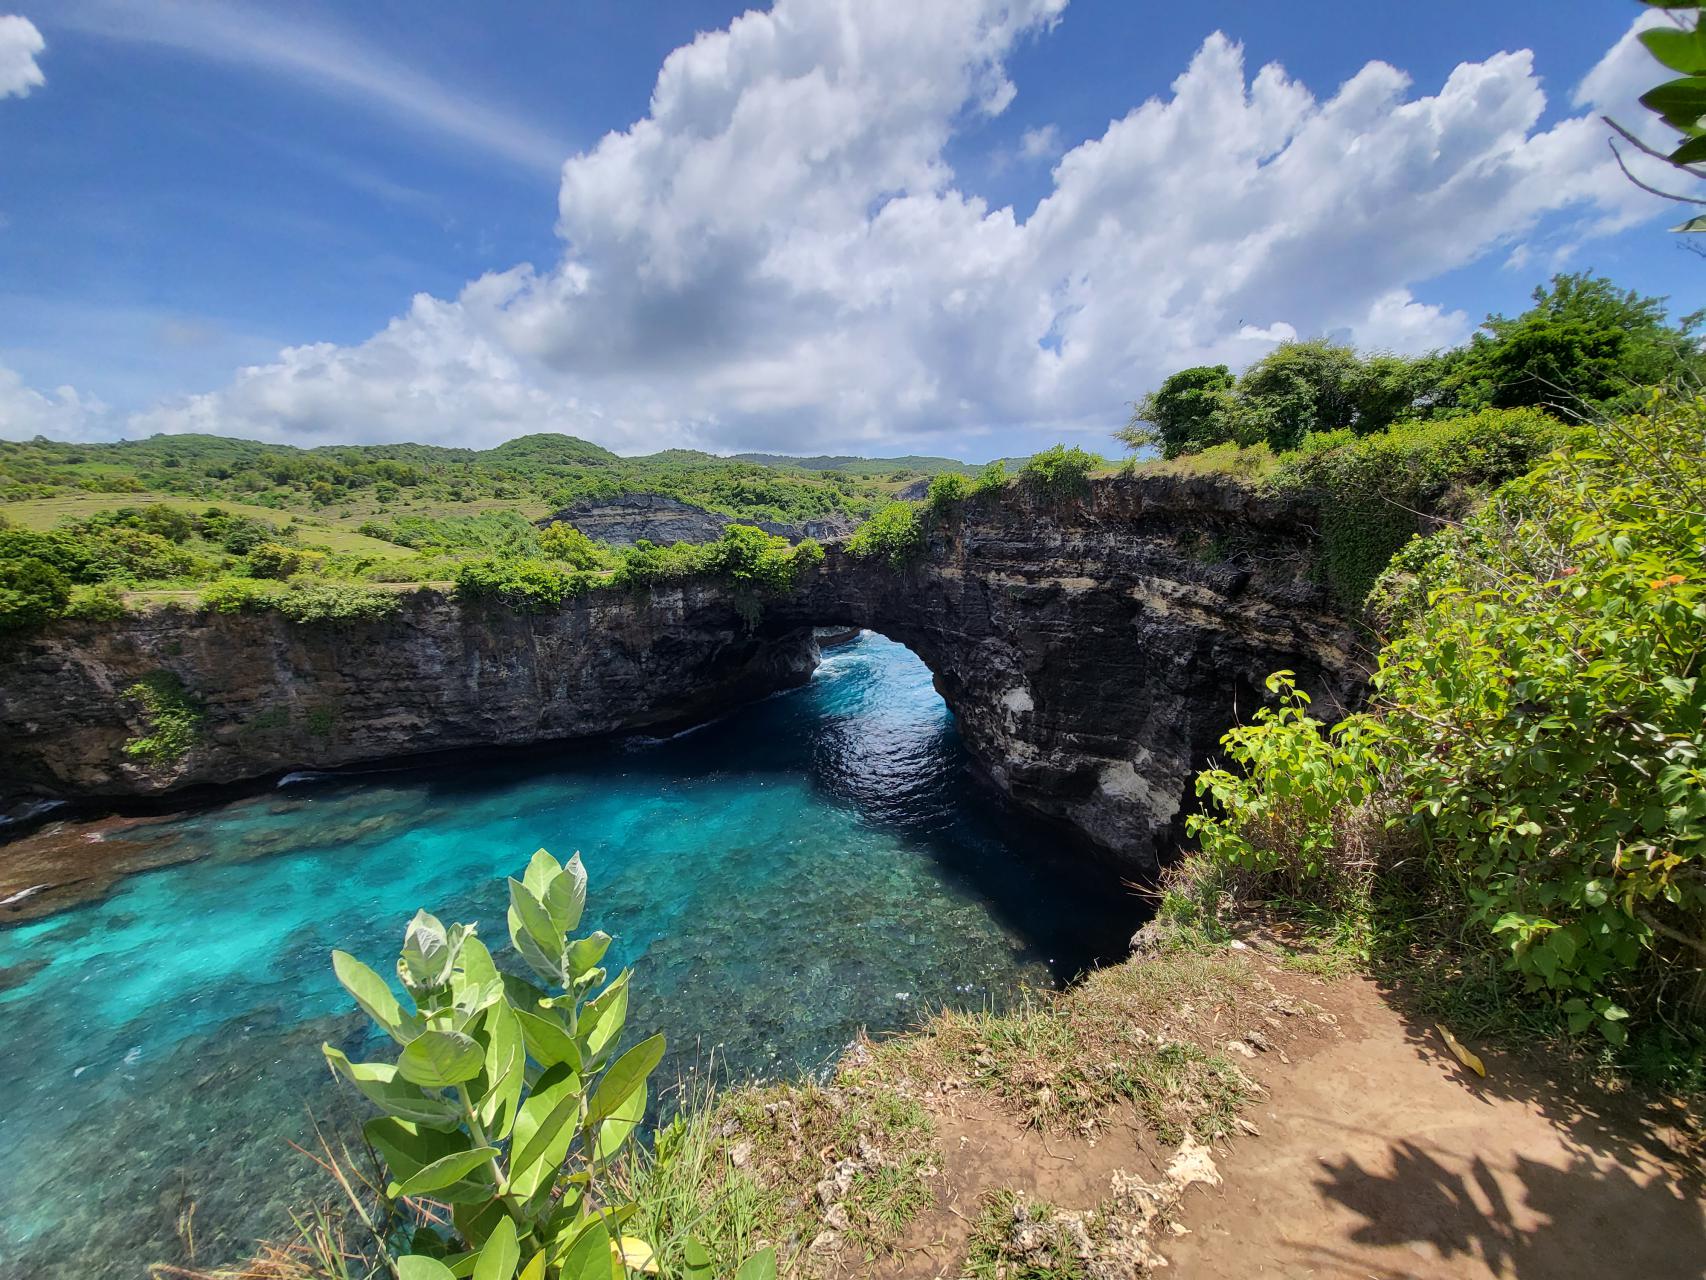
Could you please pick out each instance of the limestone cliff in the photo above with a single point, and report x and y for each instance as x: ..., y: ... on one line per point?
x: 622, y: 521
x: 1093, y: 650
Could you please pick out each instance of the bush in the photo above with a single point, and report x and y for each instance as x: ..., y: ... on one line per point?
x: 1060, y: 472
x: 323, y: 602
x: 1295, y: 809
x: 507, y: 1100
x: 992, y: 478
x: 32, y: 591
x: 566, y: 543
x: 173, y: 719
x: 102, y: 602
x: 524, y: 584
x: 241, y: 595
x: 1375, y: 491
x: 895, y: 535
x: 754, y: 560
x: 273, y: 560
x: 1539, y: 721
x: 947, y: 491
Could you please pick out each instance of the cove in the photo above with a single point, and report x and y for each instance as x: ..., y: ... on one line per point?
x: 814, y: 863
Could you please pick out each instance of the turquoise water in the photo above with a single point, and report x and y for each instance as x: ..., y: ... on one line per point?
x: 814, y: 863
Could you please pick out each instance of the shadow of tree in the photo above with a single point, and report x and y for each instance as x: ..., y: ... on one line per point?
x: 1558, y: 1227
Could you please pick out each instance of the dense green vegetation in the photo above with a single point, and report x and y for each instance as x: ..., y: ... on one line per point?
x: 1529, y: 779
x: 1584, y: 348
x: 391, y: 481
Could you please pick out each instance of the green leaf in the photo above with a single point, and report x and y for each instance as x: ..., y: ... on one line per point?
x: 1683, y: 51
x: 407, y: 1149
x: 504, y: 1071
x: 535, y: 919
x: 589, y: 1257
x: 438, y: 1059
x: 442, y: 1173
x: 427, y: 954
x: 370, y: 991
x: 545, y: 1125
x: 602, y: 1019
x: 542, y: 868
x: 378, y: 1083
x: 760, y: 1266
x: 565, y: 896
x: 698, y: 1259
x: 535, y: 1268
x: 548, y: 1040
x: 621, y: 1125
x: 416, y: 1266
x: 626, y: 1074
x: 501, y: 1254
x: 586, y: 952
x: 1680, y: 102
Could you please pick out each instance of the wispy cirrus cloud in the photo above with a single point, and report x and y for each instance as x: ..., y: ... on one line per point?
x: 290, y: 43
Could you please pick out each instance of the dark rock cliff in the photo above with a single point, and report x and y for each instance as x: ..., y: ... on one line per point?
x: 623, y: 521
x: 1093, y: 650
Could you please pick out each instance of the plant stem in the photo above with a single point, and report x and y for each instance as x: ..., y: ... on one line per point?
x: 480, y: 1140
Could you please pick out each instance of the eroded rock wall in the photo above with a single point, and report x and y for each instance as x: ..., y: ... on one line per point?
x: 1093, y: 650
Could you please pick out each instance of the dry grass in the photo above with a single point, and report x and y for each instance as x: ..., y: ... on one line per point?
x: 1149, y: 1033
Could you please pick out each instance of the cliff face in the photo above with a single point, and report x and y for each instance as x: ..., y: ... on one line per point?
x: 276, y: 696
x: 625, y: 520
x: 1092, y: 649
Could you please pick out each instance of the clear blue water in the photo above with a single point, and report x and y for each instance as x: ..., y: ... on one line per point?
x: 812, y: 864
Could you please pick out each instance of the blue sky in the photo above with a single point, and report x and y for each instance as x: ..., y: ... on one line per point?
x: 804, y: 245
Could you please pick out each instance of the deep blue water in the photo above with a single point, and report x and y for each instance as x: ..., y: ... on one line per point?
x: 812, y: 864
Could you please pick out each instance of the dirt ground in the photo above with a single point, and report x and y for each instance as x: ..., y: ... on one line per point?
x: 1377, y: 1157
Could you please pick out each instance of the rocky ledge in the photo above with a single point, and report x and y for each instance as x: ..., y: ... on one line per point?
x: 1092, y: 648
x: 622, y: 521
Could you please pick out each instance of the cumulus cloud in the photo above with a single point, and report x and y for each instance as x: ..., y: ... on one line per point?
x: 20, y: 43
x: 1042, y: 143
x: 61, y: 414
x: 778, y: 254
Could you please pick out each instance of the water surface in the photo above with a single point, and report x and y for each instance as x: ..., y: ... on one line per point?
x: 815, y: 863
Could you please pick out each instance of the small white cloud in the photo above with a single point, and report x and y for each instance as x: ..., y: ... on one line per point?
x: 20, y: 44
x: 62, y: 414
x: 1040, y: 144
x: 1274, y: 333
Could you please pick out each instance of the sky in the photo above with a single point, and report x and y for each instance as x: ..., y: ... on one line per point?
x: 964, y: 227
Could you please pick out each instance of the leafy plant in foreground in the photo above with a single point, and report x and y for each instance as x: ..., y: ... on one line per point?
x: 507, y: 1100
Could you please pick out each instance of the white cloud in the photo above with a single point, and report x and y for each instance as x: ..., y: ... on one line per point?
x: 20, y: 43
x: 326, y: 59
x: 778, y: 254
x: 1041, y: 143
x: 62, y: 414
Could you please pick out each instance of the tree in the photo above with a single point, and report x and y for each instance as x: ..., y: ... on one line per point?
x: 1585, y: 344
x: 1186, y: 415
x: 1304, y: 387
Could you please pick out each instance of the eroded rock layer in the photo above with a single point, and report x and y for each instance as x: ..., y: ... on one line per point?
x: 1093, y: 649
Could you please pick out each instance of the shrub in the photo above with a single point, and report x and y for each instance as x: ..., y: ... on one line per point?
x: 1291, y: 811
x: 173, y: 719
x: 273, y: 560
x: 754, y: 560
x: 1374, y: 491
x: 31, y: 592
x: 507, y: 1101
x: 895, y: 535
x: 992, y: 478
x: 1060, y: 472
x: 566, y: 543
x: 240, y: 595
x: 323, y: 602
x: 947, y: 491
x: 646, y: 564
x: 524, y: 584
x: 1540, y: 719
x: 101, y: 602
